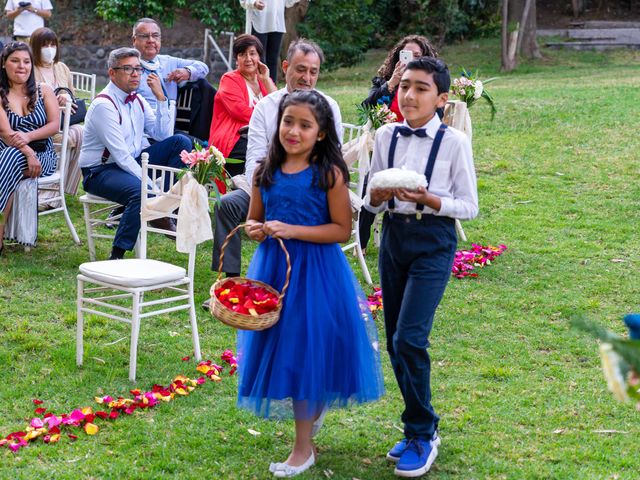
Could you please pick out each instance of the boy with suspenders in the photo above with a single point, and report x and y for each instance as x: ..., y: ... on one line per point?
x: 418, y: 244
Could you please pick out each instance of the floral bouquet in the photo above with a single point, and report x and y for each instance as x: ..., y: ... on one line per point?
x: 206, y: 166
x: 620, y: 359
x: 469, y: 88
x: 378, y: 115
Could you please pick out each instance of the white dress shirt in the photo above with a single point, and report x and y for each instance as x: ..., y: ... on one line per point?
x: 269, y: 19
x: 264, y: 124
x: 453, y: 178
x: 25, y: 23
x: 124, y: 141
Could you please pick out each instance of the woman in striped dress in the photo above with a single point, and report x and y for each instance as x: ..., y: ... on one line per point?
x: 28, y: 118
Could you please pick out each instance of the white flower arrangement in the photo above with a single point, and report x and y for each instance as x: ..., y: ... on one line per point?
x: 398, y: 178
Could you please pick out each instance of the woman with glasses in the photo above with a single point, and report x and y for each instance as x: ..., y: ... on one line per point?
x: 28, y: 119
x: 50, y: 70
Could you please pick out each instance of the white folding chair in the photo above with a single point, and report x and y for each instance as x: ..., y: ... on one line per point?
x: 135, y: 277
x: 84, y: 85
x: 55, y: 182
x: 97, y: 215
x: 358, y: 170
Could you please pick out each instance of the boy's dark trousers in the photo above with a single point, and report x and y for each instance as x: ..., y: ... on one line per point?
x: 415, y: 263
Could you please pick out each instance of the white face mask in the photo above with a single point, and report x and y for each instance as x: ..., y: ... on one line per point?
x: 48, y: 54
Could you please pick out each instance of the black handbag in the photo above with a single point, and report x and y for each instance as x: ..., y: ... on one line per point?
x: 81, y: 107
x: 39, y: 145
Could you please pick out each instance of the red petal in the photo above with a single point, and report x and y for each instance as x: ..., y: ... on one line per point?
x: 185, y: 359
x: 37, y: 402
x: 102, y: 415
x: 72, y: 436
x: 114, y: 414
x: 40, y: 410
x: 54, y: 430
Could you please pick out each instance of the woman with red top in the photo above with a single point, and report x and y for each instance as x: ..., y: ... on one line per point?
x: 238, y: 93
x: 385, y: 84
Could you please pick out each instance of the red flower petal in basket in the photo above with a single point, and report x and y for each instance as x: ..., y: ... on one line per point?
x: 37, y: 402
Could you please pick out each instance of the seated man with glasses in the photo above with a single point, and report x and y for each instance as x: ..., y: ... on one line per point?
x: 162, y: 73
x: 114, y: 140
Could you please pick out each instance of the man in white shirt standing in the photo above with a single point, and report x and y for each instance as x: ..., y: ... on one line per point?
x: 301, y: 69
x: 27, y: 15
x: 161, y: 73
x: 114, y: 140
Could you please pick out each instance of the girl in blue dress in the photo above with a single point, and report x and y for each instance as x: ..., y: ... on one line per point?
x: 323, y: 352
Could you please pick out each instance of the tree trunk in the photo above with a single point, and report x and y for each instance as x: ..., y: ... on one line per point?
x: 509, y: 41
x: 292, y: 17
x: 528, y: 43
x: 578, y: 7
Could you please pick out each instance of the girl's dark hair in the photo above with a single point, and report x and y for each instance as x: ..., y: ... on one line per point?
x: 326, y: 154
x: 4, y: 80
x: 386, y: 69
x: 39, y: 38
x: 244, y: 42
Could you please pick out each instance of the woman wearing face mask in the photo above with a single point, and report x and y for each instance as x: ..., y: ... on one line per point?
x: 50, y: 70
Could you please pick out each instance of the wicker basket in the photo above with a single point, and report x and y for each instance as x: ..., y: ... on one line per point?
x: 240, y: 320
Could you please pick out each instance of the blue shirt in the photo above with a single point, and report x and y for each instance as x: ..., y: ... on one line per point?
x: 167, y: 65
x: 124, y: 140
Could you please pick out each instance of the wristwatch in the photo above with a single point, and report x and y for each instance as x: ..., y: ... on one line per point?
x: 35, y: 10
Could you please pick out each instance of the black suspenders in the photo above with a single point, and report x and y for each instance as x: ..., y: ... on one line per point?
x: 435, y: 147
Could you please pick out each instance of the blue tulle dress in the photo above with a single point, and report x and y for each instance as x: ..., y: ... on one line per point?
x: 323, y: 352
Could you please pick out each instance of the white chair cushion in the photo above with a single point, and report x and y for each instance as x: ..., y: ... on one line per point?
x: 133, y: 272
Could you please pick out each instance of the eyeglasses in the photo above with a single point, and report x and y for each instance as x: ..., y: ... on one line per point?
x: 128, y: 69
x: 147, y: 36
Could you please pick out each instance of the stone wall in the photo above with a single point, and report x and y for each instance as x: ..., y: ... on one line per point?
x: 93, y: 59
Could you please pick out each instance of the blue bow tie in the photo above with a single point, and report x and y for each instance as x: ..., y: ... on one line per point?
x: 407, y: 132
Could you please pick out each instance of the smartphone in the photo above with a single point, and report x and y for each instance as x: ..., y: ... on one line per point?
x: 406, y: 56
x: 24, y: 4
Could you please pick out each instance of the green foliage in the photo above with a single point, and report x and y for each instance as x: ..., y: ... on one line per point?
x: 128, y: 11
x: 220, y: 15
x: 343, y: 28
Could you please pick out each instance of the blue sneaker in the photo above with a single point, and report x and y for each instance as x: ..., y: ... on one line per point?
x: 398, y: 449
x: 417, y: 458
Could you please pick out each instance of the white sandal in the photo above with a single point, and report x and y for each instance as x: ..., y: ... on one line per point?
x: 284, y: 470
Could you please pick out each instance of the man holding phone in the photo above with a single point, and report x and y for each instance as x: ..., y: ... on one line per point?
x: 27, y: 15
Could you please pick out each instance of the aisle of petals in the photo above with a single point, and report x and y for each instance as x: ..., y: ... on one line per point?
x: 49, y: 426
x: 464, y: 265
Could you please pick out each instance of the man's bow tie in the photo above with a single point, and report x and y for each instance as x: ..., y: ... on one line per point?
x: 407, y: 132
x: 131, y: 97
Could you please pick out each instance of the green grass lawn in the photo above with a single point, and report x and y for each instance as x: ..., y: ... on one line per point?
x: 520, y: 394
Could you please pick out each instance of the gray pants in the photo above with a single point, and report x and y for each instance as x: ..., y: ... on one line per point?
x: 230, y: 212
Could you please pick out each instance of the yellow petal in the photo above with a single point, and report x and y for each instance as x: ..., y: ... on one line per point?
x: 87, y: 410
x: 91, y: 428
